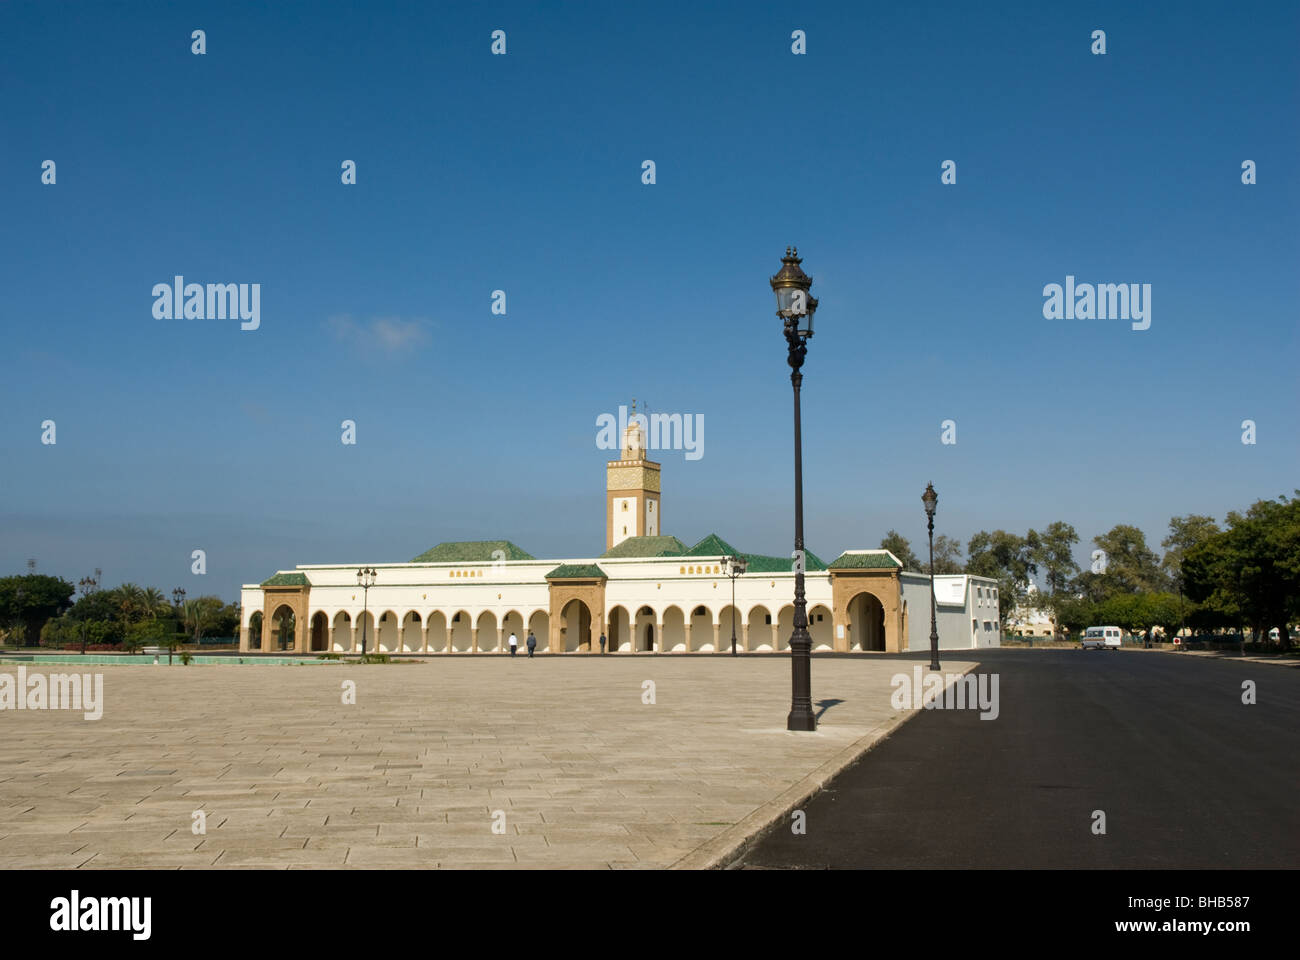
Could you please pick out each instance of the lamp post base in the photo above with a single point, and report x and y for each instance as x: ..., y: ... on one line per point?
x: 801, y: 721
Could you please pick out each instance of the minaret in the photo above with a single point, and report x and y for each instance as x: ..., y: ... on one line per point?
x: 631, y: 489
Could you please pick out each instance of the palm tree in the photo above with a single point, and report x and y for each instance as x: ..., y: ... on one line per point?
x: 129, y: 599
x: 155, y: 602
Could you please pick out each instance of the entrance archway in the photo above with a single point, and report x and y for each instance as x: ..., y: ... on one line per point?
x: 866, y: 623
x: 575, y: 627
x: 284, y: 628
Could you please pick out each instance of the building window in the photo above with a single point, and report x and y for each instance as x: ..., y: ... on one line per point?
x: 768, y: 619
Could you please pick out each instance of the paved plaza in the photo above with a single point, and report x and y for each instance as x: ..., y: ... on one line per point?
x: 561, y: 755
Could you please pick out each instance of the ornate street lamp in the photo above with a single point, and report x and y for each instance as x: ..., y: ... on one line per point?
x: 795, y: 305
x: 734, y: 567
x: 366, y: 580
x: 931, y: 500
x: 87, y: 586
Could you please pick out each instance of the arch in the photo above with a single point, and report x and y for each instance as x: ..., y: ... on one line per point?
x: 320, y: 629
x: 866, y: 622
x: 435, y: 631
x: 513, y: 622
x: 759, y: 634
x: 575, y: 626
x: 539, y: 624
x: 619, y: 630
x: 386, y: 632
x: 255, y: 631
x: 462, y: 632
x: 644, y: 630
x: 673, y: 639
x: 365, y: 632
x: 341, y: 633
x: 410, y: 637
x: 784, y: 627
x: 821, y: 627
x: 486, y: 639
x: 284, y: 628
x: 730, y: 618
x: 701, y: 636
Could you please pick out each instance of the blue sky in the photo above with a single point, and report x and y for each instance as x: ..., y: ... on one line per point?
x: 523, y: 173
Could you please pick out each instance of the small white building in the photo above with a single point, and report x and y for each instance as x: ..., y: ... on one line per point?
x: 1028, y: 618
x: 646, y: 593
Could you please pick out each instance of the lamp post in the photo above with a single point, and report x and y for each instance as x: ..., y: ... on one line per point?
x: 87, y: 586
x: 735, y: 567
x: 366, y: 580
x: 796, y: 306
x: 931, y: 500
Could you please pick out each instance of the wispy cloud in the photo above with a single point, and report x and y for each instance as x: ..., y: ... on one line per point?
x: 382, y: 334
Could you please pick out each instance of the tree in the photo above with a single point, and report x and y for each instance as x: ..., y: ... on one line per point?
x: 947, y: 555
x: 1055, y: 555
x: 154, y: 602
x: 1184, y: 533
x: 27, y: 602
x: 1130, y: 567
x: 1007, y: 558
x: 1252, y: 568
x: 130, y: 601
x: 200, y: 615
x: 897, y: 544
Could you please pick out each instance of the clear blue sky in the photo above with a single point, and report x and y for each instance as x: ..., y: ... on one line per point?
x: 523, y: 173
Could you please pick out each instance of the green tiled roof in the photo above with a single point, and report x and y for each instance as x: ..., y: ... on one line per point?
x: 714, y: 546
x: 472, y: 551
x: 757, y: 563
x: 287, y: 580
x: 861, y: 561
x: 711, y: 546
x: 647, y: 547
x: 572, y: 571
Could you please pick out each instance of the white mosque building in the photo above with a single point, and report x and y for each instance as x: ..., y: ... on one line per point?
x: 647, y: 593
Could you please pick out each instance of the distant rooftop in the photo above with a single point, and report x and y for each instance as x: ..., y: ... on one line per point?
x: 473, y: 551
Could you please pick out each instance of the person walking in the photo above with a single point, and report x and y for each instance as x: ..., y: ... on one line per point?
x: 602, y: 642
x: 532, y: 644
x: 514, y: 643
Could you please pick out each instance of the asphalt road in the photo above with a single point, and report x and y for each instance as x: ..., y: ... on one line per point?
x: 1186, y: 775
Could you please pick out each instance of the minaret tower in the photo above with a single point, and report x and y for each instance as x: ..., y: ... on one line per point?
x: 631, y: 489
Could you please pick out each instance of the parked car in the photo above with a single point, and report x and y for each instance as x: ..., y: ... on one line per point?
x: 1102, y: 638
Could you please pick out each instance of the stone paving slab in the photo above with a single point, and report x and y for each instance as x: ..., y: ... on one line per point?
x: 560, y: 752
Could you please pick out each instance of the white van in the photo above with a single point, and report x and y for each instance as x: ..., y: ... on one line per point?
x: 1102, y: 638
